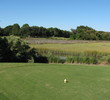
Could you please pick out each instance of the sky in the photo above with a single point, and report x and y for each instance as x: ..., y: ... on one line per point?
x: 63, y: 14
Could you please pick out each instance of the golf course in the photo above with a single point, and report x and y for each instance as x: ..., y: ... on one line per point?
x: 55, y: 50
x: 32, y: 81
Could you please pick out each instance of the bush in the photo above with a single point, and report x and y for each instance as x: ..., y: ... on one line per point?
x: 13, y: 49
x: 40, y: 59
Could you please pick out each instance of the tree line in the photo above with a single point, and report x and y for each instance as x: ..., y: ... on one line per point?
x: 88, y: 33
x: 33, y: 31
x: 80, y: 33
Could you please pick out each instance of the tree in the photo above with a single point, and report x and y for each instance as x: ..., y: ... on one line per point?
x: 5, y: 52
x: 84, y: 33
x: 50, y: 32
x: 7, y: 30
x: 13, y: 49
x: 66, y: 34
x: 1, y: 31
x: 42, y: 32
x: 15, y: 30
x: 34, y: 31
x: 25, y: 31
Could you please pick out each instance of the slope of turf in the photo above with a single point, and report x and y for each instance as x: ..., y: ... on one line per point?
x: 45, y: 82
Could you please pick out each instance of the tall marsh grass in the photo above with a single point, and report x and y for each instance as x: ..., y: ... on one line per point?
x: 102, y: 47
x: 82, y: 58
x: 89, y: 53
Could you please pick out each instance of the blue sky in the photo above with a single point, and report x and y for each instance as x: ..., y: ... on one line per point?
x: 63, y: 14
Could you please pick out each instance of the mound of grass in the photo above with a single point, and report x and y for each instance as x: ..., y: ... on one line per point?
x: 45, y: 82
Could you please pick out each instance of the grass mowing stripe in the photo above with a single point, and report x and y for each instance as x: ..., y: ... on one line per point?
x: 45, y: 82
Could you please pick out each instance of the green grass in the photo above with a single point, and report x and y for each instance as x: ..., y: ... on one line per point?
x: 21, y: 81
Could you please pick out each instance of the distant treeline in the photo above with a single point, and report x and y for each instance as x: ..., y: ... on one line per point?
x: 88, y: 33
x: 33, y: 31
x: 80, y: 33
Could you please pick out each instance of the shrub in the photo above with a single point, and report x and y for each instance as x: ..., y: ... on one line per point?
x: 40, y: 59
x: 13, y: 49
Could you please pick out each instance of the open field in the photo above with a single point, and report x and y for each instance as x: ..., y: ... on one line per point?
x: 21, y: 81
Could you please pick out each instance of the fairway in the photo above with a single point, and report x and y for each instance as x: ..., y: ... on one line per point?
x: 28, y: 81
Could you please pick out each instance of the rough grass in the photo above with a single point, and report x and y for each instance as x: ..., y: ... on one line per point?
x: 102, y: 47
x: 45, y: 82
